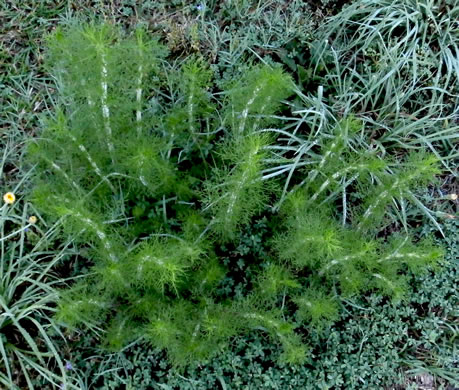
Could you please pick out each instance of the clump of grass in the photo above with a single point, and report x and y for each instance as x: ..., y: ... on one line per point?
x: 393, y: 57
x: 388, y: 89
x: 396, y: 66
x: 29, y: 291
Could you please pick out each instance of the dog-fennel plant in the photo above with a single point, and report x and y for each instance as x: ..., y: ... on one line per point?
x: 153, y: 171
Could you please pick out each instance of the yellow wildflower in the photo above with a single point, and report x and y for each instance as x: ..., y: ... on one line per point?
x: 33, y: 220
x: 9, y: 198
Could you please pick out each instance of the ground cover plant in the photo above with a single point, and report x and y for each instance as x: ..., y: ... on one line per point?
x: 155, y: 160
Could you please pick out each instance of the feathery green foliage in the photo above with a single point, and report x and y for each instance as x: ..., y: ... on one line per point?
x: 238, y: 191
x: 374, y: 343
x: 102, y: 164
x: 153, y: 171
x: 315, y: 242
